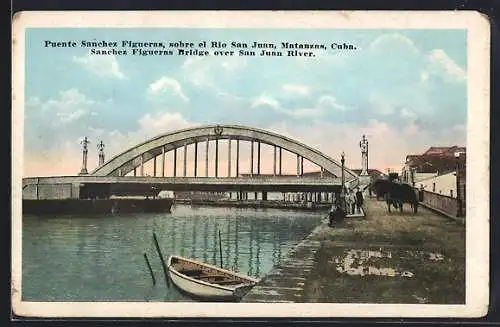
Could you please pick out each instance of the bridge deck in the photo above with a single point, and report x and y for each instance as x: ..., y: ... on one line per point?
x: 382, y: 258
x: 216, y: 184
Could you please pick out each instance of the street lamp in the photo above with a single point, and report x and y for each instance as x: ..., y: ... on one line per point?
x: 342, y: 194
x: 457, y: 178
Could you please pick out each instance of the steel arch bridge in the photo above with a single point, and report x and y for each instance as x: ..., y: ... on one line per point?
x: 136, y: 156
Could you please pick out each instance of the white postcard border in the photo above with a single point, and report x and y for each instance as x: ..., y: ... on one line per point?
x: 477, y: 232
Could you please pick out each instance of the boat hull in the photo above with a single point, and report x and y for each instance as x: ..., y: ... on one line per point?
x: 209, y: 291
x: 200, y: 291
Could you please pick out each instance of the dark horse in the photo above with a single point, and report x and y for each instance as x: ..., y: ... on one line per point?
x: 381, y: 187
x: 398, y: 194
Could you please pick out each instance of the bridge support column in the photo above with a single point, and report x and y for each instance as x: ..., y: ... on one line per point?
x: 256, y: 196
x: 142, y: 165
x: 280, y: 161
x: 120, y: 173
x: 251, y: 159
x: 321, y: 172
x: 206, y: 157
x: 175, y: 162
x: 216, y: 158
x: 264, y: 196
x: 301, y: 166
x: 135, y: 172
x: 237, y: 158
x: 163, y: 161
x: 298, y: 166
x: 274, y: 161
x: 184, y: 170
x: 258, y: 157
x: 154, y: 166
x: 229, y: 157
x: 196, y: 159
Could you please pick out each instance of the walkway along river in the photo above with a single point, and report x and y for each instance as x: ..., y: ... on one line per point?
x: 100, y: 257
x: 381, y: 258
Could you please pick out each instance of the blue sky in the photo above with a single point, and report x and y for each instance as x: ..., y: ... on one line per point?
x: 405, y: 89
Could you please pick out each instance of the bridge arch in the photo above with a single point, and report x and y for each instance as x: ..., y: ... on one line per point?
x: 126, y: 161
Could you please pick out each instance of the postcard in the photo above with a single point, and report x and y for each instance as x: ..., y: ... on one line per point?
x: 250, y: 164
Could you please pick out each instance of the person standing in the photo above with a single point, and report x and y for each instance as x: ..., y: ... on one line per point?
x: 351, y: 202
x: 359, y: 200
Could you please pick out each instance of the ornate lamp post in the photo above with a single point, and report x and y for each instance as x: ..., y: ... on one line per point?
x: 100, y: 147
x: 363, y: 144
x: 85, y: 143
x: 459, y: 193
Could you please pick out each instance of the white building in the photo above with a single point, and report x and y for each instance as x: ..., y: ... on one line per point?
x: 445, y: 184
x: 423, y: 176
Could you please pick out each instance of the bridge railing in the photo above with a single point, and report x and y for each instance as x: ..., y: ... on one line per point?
x: 443, y: 204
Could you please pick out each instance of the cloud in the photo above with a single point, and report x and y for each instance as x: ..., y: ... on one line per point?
x: 69, y: 106
x: 408, y: 114
x: 101, y: 65
x: 442, y: 63
x: 204, y: 71
x: 323, y: 106
x: 391, y: 40
x: 167, y: 85
x: 265, y: 100
x: 330, y: 102
x: 161, y: 123
x: 297, y: 89
x: 149, y: 125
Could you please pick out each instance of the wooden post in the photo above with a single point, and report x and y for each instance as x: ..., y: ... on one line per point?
x: 150, y: 269
x: 165, y: 272
x: 220, y: 250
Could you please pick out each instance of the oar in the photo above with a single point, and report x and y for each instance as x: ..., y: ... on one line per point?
x: 220, y: 250
x: 165, y: 272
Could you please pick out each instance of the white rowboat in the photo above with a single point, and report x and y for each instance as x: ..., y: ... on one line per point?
x: 208, y: 282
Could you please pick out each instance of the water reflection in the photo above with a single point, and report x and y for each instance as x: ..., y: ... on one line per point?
x: 74, y: 258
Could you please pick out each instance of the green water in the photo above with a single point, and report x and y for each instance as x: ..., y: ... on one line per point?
x: 100, y: 258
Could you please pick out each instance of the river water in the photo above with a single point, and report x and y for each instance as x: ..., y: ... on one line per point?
x: 100, y: 258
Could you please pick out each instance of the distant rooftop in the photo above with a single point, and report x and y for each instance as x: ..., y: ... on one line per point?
x: 443, y: 151
x: 436, y: 159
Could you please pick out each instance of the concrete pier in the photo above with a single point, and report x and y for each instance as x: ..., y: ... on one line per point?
x: 285, y: 283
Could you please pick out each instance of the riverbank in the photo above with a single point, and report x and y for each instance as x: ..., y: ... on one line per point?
x: 96, y: 206
x: 308, y: 206
x: 381, y: 258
